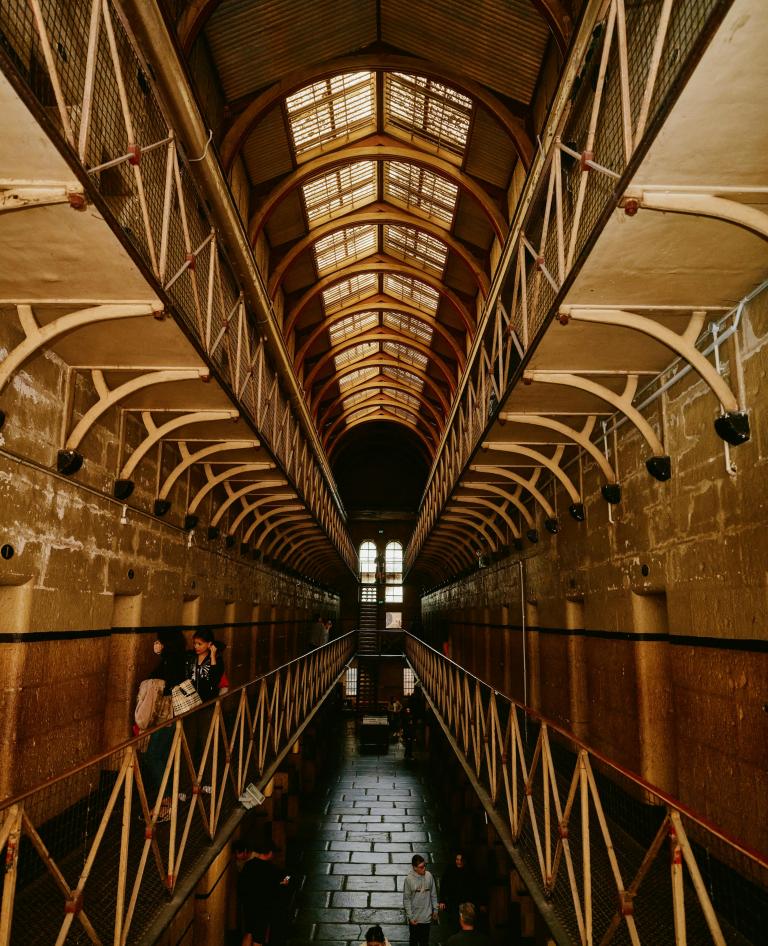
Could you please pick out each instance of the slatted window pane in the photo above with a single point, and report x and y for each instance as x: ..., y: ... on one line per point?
x: 344, y: 246
x: 408, y: 325
x: 355, y: 353
x: 344, y: 188
x: 403, y: 376
x: 367, y: 562
x: 357, y: 376
x: 352, y: 325
x: 428, y: 109
x: 417, y: 188
x: 413, y: 291
x: 330, y: 110
x: 406, y: 353
x: 417, y: 247
x: 349, y: 290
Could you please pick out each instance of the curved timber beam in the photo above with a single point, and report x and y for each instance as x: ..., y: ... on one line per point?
x: 381, y: 415
x: 380, y: 214
x: 387, y: 384
x: 551, y: 463
x: 499, y: 510
x: 379, y: 402
x: 275, y: 546
x: 383, y: 266
x: 473, y: 523
x: 254, y: 507
x: 513, y: 498
x: 389, y: 150
x: 384, y: 304
x: 286, y: 518
x: 233, y: 497
x: 381, y: 335
x: 459, y: 553
x: 383, y: 360
x: 234, y: 139
x: 476, y: 516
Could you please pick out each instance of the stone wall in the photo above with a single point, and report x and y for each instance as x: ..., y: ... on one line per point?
x: 646, y: 636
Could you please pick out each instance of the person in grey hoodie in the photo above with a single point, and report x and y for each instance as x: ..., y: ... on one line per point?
x: 419, y: 901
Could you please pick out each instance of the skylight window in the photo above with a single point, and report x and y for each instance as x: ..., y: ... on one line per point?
x: 330, y: 110
x: 402, y: 412
x: 403, y: 376
x: 356, y: 353
x: 408, y: 326
x: 429, y: 109
x: 413, y: 291
x: 416, y: 246
x: 406, y: 353
x: 417, y: 188
x: 407, y: 399
x: 349, y: 290
x: 358, y: 376
x: 363, y: 412
x: 344, y: 246
x: 358, y: 397
x: 352, y: 325
x: 337, y: 191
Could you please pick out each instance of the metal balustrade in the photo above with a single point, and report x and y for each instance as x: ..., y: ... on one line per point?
x: 551, y: 798
x: 624, y: 62
x: 89, y: 856
x: 76, y: 62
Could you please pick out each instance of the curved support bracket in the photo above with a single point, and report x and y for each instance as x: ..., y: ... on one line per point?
x: 473, y: 524
x: 477, y: 516
x: 528, y: 485
x: 580, y: 437
x: 37, y: 336
x: 499, y: 510
x: 551, y: 463
x: 683, y: 345
x: 156, y: 434
x: 189, y: 459
x: 513, y: 498
x: 704, y: 203
x: 621, y: 402
x: 214, y: 481
x: 254, y: 507
x: 288, y: 537
x: 245, y: 491
x: 108, y: 399
x: 278, y: 522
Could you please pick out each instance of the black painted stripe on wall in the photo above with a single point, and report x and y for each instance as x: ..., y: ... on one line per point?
x: 691, y: 640
x: 30, y: 637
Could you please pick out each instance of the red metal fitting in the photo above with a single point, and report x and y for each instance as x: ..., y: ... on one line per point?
x: 159, y: 316
x: 586, y: 156
x: 205, y: 378
x: 540, y: 262
x: 77, y: 201
x: 135, y: 154
x: 10, y: 854
x: 676, y: 855
x: 562, y: 830
x: 75, y: 905
x: 189, y: 259
x: 527, y: 380
x: 631, y: 206
x: 196, y: 790
x: 563, y: 318
x: 626, y: 903
x: 170, y: 880
x: 529, y: 789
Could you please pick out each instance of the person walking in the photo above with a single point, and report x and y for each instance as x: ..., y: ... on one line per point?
x: 468, y: 936
x: 258, y: 893
x: 457, y: 885
x: 419, y: 901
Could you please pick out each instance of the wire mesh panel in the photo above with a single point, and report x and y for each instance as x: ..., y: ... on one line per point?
x: 607, y: 850
x: 94, y: 855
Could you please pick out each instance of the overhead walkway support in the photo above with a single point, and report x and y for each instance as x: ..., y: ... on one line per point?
x: 95, y: 856
x: 608, y: 857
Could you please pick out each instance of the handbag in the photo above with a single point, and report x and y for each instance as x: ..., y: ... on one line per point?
x: 185, y: 697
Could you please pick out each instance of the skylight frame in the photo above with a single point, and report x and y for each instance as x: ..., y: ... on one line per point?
x: 334, y: 193
x: 330, y: 112
x: 403, y: 376
x: 352, y: 289
x: 356, y: 353
x: 417, y: 106
x: 403, y: 352
x: 412, y: 291
x: 341, y: 247
x: 417, y: 247
x: 358, y: 376
x: 353, y: 325
x: 409, y: 325
x: 421, y: 191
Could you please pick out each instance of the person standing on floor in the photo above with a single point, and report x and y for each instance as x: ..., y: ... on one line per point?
x: 468, y: 936
x: 419, y: 901
x: 457, y: 885
x: 258, y: 893
x: 375, y: 937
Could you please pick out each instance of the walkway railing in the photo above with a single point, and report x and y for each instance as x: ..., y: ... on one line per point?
x: 606, y: 880
x: 94, y: 855
x: 77, y: 63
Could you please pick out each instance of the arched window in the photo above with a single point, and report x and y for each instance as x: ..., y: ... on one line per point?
x: 367, y: 562
x: 393, y: 563
x: 393, y: 571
